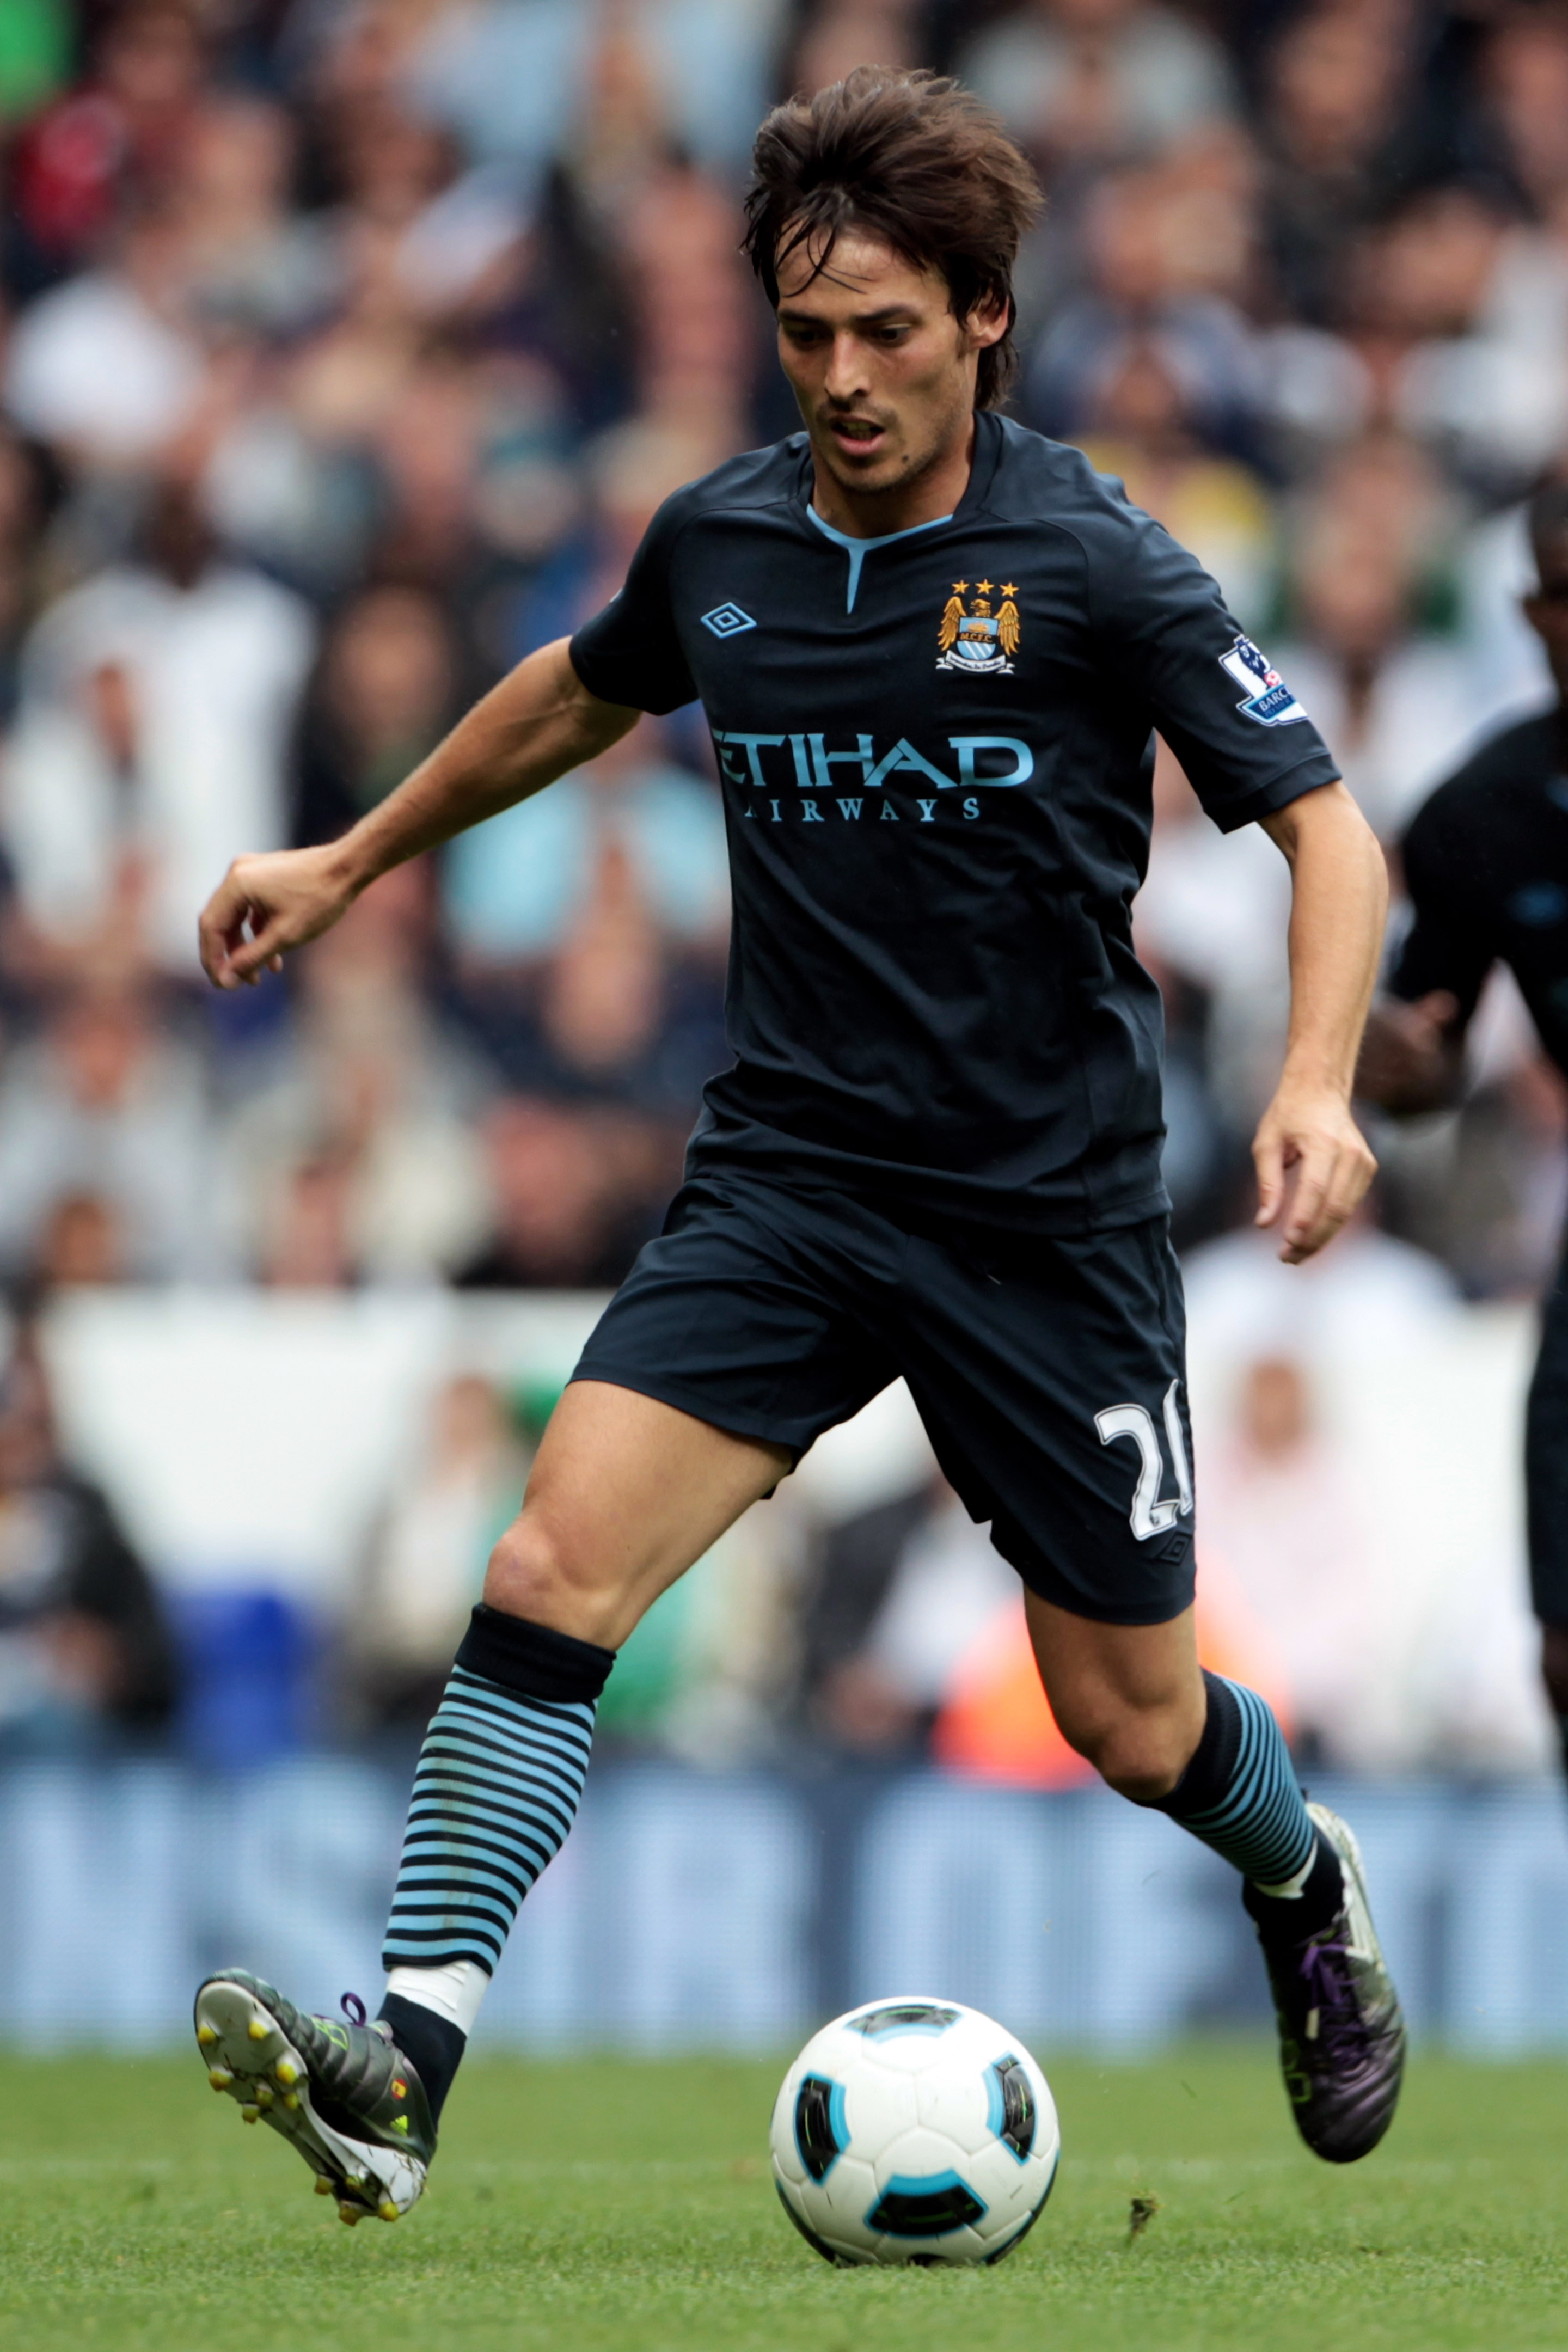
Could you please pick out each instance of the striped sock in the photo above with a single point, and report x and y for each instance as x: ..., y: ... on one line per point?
x: 497, y: 1788
x: 1240, y: 1793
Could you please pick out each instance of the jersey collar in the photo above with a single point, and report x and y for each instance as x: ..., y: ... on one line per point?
x: 982, y: 466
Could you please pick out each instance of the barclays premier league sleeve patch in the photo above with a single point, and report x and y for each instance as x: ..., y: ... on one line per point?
x: 1269, y: 700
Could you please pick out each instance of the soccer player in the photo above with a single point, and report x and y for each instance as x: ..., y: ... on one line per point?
x: 932, y: 648
x: 1485, y: 865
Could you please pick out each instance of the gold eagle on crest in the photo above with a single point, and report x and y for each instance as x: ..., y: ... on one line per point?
x: 979, y: 636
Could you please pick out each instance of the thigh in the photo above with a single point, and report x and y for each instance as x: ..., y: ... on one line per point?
x: 1546, y: 1462
x: 1051, y: 1379
x: 623, y: 1494
x: 735, y: 1340
x: 753, y: 1312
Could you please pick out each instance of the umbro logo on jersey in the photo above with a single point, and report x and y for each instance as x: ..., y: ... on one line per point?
x: 983, y: 639
x: 727, y: 621
x: 1269, y: 700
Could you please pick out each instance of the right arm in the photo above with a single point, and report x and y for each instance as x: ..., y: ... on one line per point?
x: 540, y: 722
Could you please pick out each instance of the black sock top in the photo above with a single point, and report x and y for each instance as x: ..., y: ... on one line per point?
x: 1211, y: 1768
x: 534, y: 1661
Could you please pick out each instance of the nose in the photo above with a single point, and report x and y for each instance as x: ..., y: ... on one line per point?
x: 845, y: 378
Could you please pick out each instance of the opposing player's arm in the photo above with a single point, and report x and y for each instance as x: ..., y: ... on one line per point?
x: 1413, y: 1055
x: 536, y: 725
x: 1313, y: 1163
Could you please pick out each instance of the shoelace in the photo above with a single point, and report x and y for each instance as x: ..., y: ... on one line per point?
x: 1334, y: 2021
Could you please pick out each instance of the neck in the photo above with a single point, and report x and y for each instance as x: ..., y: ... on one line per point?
x: 925, y: 497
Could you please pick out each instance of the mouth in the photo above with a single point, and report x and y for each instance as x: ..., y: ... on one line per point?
x: 858, y: 438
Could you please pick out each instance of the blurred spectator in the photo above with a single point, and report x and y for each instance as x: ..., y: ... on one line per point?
x: 107, y: 367
x: 352, y: 1154
x: 84, y: 1651
x: 426, y: 1561
x: 1141, y: 426
x: 564, y: 1201
x: 1335, y: 92
x: 1279, y: 1512
x: 106, y: 1145
x: 1392, y: 698
x: 384, y: 692
x: 1524, y: 91
x: 510, y: 76
x: 251, y: 263
x: 157, y: 700
x: 517, y: 888
x: 858, y: 1560
x: 114, y: 137
x: 1162, y: 273
x: 1083, y: 78
x: 836, y: 35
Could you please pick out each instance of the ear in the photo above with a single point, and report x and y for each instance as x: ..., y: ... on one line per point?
x: 988, y: 322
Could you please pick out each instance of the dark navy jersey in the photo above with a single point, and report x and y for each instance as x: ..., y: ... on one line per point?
x: 936, y: 758
x: 1485, y: 865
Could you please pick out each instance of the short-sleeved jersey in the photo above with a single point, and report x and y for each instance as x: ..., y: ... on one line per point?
x: 1486, y: 867
x: 936, y: 755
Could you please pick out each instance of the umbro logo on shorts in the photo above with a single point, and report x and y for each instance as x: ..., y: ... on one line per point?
x: 727, y: 621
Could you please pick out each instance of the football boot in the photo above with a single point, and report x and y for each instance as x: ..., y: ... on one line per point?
x: 339, y: 2091
x: 1342, y: 2035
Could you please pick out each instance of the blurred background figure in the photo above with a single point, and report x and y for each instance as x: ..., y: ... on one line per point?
x: 426, y: 1561
x: 87, y: 1660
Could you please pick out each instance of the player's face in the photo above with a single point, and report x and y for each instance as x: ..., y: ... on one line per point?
x: 1547, y: 610
x: 882, y: 369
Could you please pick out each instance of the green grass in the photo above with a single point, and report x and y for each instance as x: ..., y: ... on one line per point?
x: 611, y: 2207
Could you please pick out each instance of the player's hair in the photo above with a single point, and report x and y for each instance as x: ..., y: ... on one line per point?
x: 1547, y: 516
x: 913, y: 159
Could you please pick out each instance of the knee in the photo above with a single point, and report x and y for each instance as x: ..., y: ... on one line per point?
x: 537, y: 1571
x: 1141, y: 1753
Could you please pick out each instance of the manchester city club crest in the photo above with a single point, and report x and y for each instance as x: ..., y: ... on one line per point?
x: 981, y: 637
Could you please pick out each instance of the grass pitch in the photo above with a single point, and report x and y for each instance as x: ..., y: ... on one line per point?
x: 623, y: 2207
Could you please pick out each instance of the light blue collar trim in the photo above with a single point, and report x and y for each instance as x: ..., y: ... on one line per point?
x: 858, y: 550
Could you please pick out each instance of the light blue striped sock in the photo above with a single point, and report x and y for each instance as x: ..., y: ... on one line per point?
x: 499, y: 1780
x: 1239, y: 1794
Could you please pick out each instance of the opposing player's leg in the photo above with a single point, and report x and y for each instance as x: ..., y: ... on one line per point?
x: 1169, y: 1735
x: 625, y: 1492
x: 1050, y: 1375
x: 1546, y: 1498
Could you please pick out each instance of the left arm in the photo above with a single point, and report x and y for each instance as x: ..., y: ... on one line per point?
x: 1312, y: 1160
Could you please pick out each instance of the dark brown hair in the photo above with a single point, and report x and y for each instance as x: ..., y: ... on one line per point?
x: 913, y: 159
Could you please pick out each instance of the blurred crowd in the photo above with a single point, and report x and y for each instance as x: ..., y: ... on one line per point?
x: 348, y: 346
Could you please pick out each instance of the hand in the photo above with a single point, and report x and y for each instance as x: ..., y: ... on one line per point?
x: 1313, y: 1166
x: 1410, y: 1054
x: 266, y: 904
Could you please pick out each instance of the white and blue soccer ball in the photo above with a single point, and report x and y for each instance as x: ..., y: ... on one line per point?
x: 914, y: 2130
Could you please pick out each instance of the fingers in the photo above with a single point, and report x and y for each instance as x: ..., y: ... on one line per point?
x: 229, y: 958
x: 221, y: 931
x: 1440, y: 1006
x: 1332, y: 1179
x: 263, y: 952
x: 1268, y: 1159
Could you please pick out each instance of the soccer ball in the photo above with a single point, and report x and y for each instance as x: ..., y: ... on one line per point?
x: 914, y: 2131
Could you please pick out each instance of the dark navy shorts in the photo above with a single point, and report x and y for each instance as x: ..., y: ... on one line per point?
x: 1049, y: 1372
